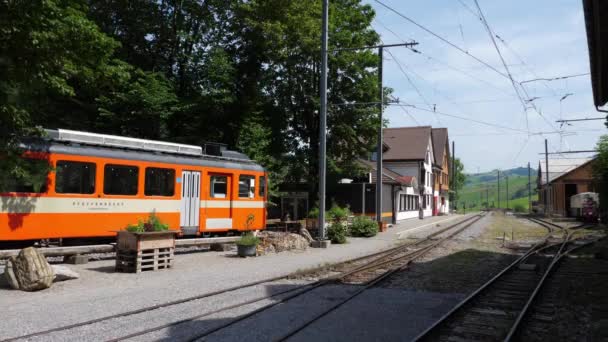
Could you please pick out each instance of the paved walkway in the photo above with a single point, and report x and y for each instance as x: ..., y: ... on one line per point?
x: 101, y: 292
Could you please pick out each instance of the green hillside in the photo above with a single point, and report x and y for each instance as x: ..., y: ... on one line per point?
x: 478, y: 186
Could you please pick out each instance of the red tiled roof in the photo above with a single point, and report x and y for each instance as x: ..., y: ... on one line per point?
x: 406, y: 143
x: 440, y: 140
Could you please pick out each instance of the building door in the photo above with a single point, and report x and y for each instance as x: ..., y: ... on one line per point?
x: 570, y: 190
x: 190, y: 202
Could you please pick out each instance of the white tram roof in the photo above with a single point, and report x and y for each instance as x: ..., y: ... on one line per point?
x: 122, y: 142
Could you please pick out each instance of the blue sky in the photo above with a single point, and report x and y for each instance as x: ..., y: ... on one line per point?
x: 548, y: 36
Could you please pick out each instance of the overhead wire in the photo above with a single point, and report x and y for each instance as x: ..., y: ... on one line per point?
x: 438, y: 61
x: 401, y: 68
x: 458, y: 117
x: 440, y: 38
x: 491, y: 34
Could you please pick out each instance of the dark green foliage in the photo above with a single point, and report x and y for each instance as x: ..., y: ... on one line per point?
x: 337, y: 232
x: 244, y: 73
x: 363, y: 227
x: 519, y: 208
x: 337, y: 213
x: 248, y: 239
x: 313, y: 213
x: 152, y: 224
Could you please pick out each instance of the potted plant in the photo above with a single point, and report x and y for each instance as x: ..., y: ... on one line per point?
x: 312, y: 219
x: 146, y: 245
x: 247, y: 245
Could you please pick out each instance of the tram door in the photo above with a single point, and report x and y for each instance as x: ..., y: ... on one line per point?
x: 191, y: 202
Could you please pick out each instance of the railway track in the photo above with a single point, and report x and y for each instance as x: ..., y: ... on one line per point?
x: 359, y: 270
x: 497, y: 309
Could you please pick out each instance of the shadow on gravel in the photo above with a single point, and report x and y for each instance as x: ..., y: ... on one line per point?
x: 459, y: 272
x: 103, y: 269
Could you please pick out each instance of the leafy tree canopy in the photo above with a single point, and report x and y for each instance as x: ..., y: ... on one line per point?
x: 244, y: 73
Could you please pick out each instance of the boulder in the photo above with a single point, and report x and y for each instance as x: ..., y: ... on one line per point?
x: 265, y: 248
x: 306, y: 234
x: 64, y: 273
x: 31, y: 270
x: 282, y: 241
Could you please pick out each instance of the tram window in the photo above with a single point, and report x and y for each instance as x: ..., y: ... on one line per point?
x: 159, y: 182
x: 34, y: 182
x: 120, y: 180
x: 219, y: 186
x: 74, y: 177
x: 262, y: 186
x: 246, y: 186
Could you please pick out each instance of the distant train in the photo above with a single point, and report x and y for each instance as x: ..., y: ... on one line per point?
x: 101, y: 183
x: 585, y: 206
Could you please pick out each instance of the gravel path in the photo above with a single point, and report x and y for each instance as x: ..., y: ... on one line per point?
x: 101, y: 292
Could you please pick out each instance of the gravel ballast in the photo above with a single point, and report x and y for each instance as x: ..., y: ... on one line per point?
x: 101, y: 292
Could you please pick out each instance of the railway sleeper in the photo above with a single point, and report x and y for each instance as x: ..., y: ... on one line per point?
x: 489, y: 331
x: 485, y: 320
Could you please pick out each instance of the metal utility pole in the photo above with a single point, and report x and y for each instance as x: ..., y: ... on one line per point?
x: 323, y: 120
x: 547, y: 176
x: 529, y: 190
x: 380, y: 104
x: 487, y: 198
x: 380, y: 139
x: 381, y: 126
x: 507, y: 180
x: 498, y: 194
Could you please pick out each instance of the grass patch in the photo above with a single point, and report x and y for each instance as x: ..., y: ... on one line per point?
x: 509, y: 226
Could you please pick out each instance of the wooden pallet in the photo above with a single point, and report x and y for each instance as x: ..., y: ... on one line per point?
x: 130, y: 261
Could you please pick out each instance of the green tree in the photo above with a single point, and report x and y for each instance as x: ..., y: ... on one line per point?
x: 458, y: 178
x: 282, y: 40
x: 59, y: 70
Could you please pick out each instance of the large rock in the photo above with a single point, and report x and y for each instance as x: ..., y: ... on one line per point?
x: 282, y: 241
x: 31, y: 270
x: 64, y: 273
x: 306, y: 234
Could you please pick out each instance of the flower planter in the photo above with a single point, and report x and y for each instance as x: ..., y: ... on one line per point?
x: 246, y: 250
x: 136, y: 252
x: 312, y: 223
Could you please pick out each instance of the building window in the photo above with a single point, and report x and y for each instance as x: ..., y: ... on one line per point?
x: 74, y: 177
x: 120, y: 180
x: 262, y: 186
x: 246, y: 186
x: 9, y: 183
x: 159, y: 182
x: 218, y: 186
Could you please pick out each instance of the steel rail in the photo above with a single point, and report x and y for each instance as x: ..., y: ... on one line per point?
x: 523, y: 312
x: 376, y: 280
x: 380, y: 254
x: 480, y: 289
x: 561, y: 253
x: 324, y: 281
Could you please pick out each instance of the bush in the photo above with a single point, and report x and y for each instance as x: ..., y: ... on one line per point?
x: 337, y: 232
x: 153, y: 224
x: 519, y: 208
x: 364, y: 227
x: 313, y: 213
x: 248, y: 239
x: 338, y: 214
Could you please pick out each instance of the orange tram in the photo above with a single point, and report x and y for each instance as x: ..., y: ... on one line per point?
x: 99, y: 184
